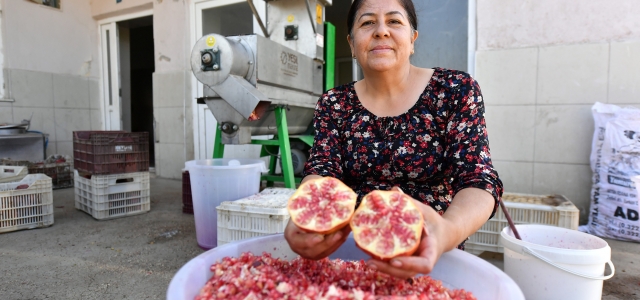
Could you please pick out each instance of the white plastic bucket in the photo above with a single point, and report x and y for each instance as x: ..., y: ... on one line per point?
x: 214, y: 181
x: 556, y: 263
x: 456, y: 268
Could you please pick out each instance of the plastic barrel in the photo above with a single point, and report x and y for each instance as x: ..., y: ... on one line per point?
x: 214, y: 181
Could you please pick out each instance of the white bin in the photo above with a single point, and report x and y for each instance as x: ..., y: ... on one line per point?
x: 456, y: 268
x: 556, y: 263
x: 214, y: 181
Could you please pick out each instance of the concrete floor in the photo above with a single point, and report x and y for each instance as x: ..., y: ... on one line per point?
x: 136, y: 257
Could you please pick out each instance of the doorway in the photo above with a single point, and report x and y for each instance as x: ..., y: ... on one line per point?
x: 128, y: 66
x: 228, y: 18
x: 445, y: 37
x: 137, y: 110
x: 336, y: 14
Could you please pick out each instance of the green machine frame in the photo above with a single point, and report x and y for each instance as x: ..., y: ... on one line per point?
x: 282, y: 141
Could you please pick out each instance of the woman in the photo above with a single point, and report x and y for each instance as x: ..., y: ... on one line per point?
x: 421, y: 131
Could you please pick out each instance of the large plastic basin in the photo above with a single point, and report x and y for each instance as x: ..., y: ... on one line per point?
x: 456, y: 269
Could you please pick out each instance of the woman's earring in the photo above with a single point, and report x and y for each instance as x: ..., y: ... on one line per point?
x: 411, y: 51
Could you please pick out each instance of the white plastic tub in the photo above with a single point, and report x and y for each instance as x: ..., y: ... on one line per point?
x: 456, y: 269
x: 214, y: 181
x: 556, y: 263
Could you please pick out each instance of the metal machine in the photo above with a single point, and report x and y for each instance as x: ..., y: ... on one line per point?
x: 259, y: 85
x: 18, y: 143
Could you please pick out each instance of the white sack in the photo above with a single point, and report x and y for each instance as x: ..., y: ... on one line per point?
x: 615, y: 158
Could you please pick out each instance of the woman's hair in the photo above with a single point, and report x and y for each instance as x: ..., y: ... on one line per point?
x: 406, y: 4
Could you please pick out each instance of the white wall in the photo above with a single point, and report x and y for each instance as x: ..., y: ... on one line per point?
x: 101, y: 9
x: 542, y: 64
x: 44, y: 39
x: 171, y: 34
x: 172, y: 97
x: 2, y: 87
x: 51, y: 69
x: 505, y: 24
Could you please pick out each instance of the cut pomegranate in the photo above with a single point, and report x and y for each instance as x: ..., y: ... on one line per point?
x: 322, y: 205
x: 387, y: 224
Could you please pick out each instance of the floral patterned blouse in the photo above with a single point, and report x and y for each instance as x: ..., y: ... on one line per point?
x: 432, y: 151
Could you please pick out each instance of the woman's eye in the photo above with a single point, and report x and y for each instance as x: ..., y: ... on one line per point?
x: 367, y: 23
x: 395, y: 22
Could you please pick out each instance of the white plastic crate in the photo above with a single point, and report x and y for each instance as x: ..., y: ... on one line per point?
x: 12, y: 173
x: 257, y: 215
x: 113, y: 196
x: 26, y: 208
x: 553, y: 210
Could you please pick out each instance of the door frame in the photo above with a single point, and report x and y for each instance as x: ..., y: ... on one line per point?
x: 199, y: 110
x: 472, y: 36
x: 103, y: 25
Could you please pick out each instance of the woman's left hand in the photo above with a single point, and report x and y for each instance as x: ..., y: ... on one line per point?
x: 432, y: 245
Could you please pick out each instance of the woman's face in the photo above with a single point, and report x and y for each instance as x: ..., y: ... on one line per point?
x: 382, y: 36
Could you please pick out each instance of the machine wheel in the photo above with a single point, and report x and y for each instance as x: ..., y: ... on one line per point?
x: 298, y: 159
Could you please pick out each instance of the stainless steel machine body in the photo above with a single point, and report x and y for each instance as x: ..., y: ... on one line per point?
x: 256, y: 74
x: 245, y: 77
x: 307, y: 16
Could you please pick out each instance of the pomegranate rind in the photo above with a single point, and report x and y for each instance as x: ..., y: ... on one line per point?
x: 324, y: 205
x: 382, y: 217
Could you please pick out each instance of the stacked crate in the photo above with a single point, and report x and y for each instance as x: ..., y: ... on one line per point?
x: 552, y: 210
x: 61, y: 173
x: 12, y: 173
x: 261, y: 214
x: 111, y: 173
x: 26, y: 204
x: 57, y: 167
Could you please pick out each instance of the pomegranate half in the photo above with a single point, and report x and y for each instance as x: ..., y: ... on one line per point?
x: 387, y: 224
x: 322, y: 205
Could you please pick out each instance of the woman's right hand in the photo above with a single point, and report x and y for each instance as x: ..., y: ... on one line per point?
x: 313, y: 245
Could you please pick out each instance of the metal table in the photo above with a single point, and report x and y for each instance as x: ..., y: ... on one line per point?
x: 23, y: 146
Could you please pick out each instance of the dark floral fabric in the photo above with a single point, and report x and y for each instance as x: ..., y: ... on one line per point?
x: 435, y: 149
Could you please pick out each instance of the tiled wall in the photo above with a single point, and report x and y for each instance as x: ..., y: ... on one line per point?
x: 174, y: 136
x: 60, y: 104
x: 538, y: 110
